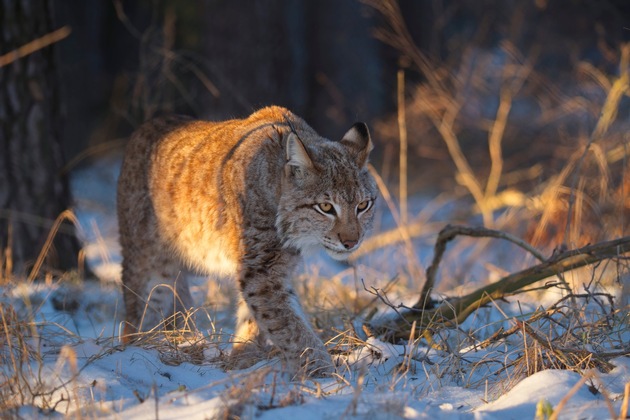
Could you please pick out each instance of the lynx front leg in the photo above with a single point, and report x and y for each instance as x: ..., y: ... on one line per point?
x: 249, y: 342
x: 277, y: 312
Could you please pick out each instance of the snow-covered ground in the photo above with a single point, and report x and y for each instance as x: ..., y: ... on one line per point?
x: 79, y: 367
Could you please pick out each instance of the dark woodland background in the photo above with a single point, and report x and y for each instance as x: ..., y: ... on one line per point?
x: 126, y: 61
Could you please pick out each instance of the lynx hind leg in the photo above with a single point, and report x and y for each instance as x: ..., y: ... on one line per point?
x: 250, y: 344
x: 155, y: 289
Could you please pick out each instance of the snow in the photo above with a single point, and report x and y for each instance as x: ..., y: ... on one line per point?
x: 553, y: 386
x: 85, y: 371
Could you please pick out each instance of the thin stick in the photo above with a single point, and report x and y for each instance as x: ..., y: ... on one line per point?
x: 608, y: 114
x: 65, y: 215
x: 8, y: 253
x: 35, y: 45
x: 465, y: 176
x: 449, y: 233
x: 412, y: 258
x: 402, y: 134
x: 511, y: 86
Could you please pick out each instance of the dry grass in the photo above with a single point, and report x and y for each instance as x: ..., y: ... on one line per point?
x: 262, y: 390
x: 25, y: 379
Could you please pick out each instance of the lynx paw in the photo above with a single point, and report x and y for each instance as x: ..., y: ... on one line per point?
x: 245, y: 355
x: 316, y: 362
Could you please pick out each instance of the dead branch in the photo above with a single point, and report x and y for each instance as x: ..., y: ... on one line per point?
x: 453, y: 311
x: 449, y: 233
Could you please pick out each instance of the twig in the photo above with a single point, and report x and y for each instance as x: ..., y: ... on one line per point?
x: 412, y: 259
x: 449, y: 233
x: 35, y: 45
x: 65, y: 215
x: 454, y: 311
x: 509, y: 89
x: 398, y: 37
x: 608, y: 114
x: 383, y: 298
x: 402, y: 134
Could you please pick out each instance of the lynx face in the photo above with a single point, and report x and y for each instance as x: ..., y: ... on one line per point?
x: 328, y: 195
x: 329, y: 204
x: 343, y: 223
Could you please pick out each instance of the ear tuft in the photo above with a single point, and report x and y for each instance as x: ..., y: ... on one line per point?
x: 297, y: 156
x: 358, y: 140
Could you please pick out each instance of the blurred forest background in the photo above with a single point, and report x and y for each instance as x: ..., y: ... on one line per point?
x: 498, y: 95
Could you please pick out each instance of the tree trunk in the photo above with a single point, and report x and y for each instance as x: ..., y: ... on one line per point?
x: 33, y: 191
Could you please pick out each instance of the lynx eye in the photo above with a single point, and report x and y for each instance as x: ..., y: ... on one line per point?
x: 326, y: 208
x: 363, y: 206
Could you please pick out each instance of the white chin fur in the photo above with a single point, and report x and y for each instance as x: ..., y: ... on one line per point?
x: 338, y: 255
x: 307, y: 247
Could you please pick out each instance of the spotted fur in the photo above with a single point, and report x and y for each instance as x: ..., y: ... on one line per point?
x: 243, y: 198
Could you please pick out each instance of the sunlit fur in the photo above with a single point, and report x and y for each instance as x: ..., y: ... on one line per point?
x: 241, y: 198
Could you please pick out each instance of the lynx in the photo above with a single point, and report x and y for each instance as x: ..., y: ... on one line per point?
x: 243, y: 198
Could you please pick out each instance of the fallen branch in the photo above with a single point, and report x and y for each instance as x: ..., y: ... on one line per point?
x: 453, y: 311
x: 447, y: 234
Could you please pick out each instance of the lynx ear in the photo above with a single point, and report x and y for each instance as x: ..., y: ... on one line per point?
x: 297, y: 156
x: 358, y: 140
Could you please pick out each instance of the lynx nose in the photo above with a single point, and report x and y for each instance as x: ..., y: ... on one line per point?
x: 348, y: 243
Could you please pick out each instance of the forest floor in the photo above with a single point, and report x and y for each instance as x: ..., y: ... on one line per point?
x: 62, y: 357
